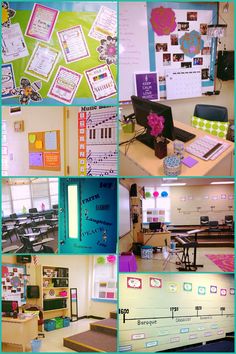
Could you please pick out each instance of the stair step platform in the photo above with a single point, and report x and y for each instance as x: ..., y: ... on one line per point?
x: 91, y: 341
x: 113, y: 314
x: 105, y: 326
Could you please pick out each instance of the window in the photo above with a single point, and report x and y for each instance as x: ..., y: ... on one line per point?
x: 6, y: 200
x: 20, y: 197
x: 105, y: 278
x: 53, y: 189
x: 156, y: 208
x: 40, y: 195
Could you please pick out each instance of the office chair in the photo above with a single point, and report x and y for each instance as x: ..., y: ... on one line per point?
x: 35, y: 308
x: 210, y: 112
x: 204, y: 220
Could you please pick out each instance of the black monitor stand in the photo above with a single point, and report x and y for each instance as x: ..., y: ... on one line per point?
x: 147, y: 139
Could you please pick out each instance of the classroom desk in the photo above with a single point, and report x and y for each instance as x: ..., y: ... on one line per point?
x: 140, y: 160
x: 20, y: 332
x: 154, y: 239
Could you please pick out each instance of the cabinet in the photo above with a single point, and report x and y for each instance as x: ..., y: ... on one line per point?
x: 137, y: 216
x: 54, y: 294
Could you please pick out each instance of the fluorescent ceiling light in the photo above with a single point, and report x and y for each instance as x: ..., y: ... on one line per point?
x: 172, y: 184
x: 170, y: 179
x: 223, y: 182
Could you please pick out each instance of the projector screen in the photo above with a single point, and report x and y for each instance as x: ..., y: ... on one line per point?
x: 124, y: 211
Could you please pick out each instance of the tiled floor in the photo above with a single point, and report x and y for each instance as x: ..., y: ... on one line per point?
x: 156, y: 264
x: 53, y: 341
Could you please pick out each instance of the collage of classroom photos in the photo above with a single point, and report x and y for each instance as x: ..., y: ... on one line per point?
x: 117, y: 176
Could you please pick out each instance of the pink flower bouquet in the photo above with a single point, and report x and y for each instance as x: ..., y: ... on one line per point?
x: 156, y: 123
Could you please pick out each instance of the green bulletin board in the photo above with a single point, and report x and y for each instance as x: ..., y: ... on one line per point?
x: 81, y: 15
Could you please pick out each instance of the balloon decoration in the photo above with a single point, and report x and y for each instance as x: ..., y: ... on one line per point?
x: 164, y: 194
x: 101, y: 260
x: 148, y: 195
x: 111, y: 259
x: 155, y: 194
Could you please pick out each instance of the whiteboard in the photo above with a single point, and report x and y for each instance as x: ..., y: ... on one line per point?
x: 124, y: 211
x: 138, y: 44
x: 184, y: 83
x: 133, y: 48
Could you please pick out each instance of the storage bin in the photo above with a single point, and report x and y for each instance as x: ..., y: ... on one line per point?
x: 146, y: 252
x: 66, y: 321
x: 49, y: 325
x: 59, y: 322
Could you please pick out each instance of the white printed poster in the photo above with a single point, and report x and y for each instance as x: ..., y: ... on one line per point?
x: 105, y: 24
x: 13, y: 43
x: 65, y: 85
x: 73, y: 44
x: 101, y: 82
x: 42, y: 61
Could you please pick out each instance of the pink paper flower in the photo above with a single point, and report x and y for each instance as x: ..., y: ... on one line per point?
x: 163, y: 21
x: 156, y: 123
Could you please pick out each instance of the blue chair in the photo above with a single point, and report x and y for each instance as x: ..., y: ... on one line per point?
x: 211, y: 112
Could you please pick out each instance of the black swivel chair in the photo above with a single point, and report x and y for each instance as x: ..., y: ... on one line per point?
x: 211, y: 112
x: 204, y: 220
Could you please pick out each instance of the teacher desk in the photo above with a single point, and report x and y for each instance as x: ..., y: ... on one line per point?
x: 140, y: 160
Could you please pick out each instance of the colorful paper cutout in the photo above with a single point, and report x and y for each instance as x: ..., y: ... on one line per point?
x: 191, y: 43
x: 32, y: 138
x: 38, y: 144
x: 163, y: 21
x: 134, y: 283
x: 108, y: 50
x: 51, y: 159
x: 35, y: 159
x: 155, y: 283
x: 28, y: 91
x: 7, y: 14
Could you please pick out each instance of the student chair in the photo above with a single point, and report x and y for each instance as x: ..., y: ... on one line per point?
x: 211, y: 112
x: 32, y: 245
x: 13, y: 216
x: 37, y: 310
x: 229, y: 220
x: 204, y: 220
x: 214, y: 226
x: 33, y: 214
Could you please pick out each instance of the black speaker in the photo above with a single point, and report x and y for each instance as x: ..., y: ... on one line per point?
x: 225, y: 65
x: 32, y: 291
x: 23, y: 259
x: 133, y: 190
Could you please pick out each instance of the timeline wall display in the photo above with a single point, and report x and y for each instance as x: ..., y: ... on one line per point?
x: 44, y: 150
x: 59, y: 53
x: 165, y: 311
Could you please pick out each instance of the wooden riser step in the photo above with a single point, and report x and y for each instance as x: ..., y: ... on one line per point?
x: 91, y: 341
x: 113, y: 314
x: 105, y: 326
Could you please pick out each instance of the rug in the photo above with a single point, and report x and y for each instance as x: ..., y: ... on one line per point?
x: 224, y: 261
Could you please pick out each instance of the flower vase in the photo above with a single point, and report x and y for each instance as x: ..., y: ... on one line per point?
x: 160, y: 147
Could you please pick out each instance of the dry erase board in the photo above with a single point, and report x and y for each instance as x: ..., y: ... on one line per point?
x: 144, y: 50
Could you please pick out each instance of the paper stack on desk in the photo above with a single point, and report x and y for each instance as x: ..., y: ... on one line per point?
x: 207, y: 148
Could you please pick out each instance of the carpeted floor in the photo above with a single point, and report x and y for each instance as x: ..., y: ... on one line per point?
x: 224, y: 261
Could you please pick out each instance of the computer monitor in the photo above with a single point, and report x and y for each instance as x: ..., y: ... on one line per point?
x: 154, y: 226
x: 142, y: 109
x: 8, y: 307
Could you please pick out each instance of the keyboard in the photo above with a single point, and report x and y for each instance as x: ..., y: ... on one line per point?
x: 183, y: 135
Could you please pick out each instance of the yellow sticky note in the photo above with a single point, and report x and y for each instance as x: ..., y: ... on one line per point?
x: 38, y: 144
x: 32, y: 138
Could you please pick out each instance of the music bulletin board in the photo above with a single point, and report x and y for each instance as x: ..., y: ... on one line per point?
x: 57, y: 53
x: 44, y: 150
